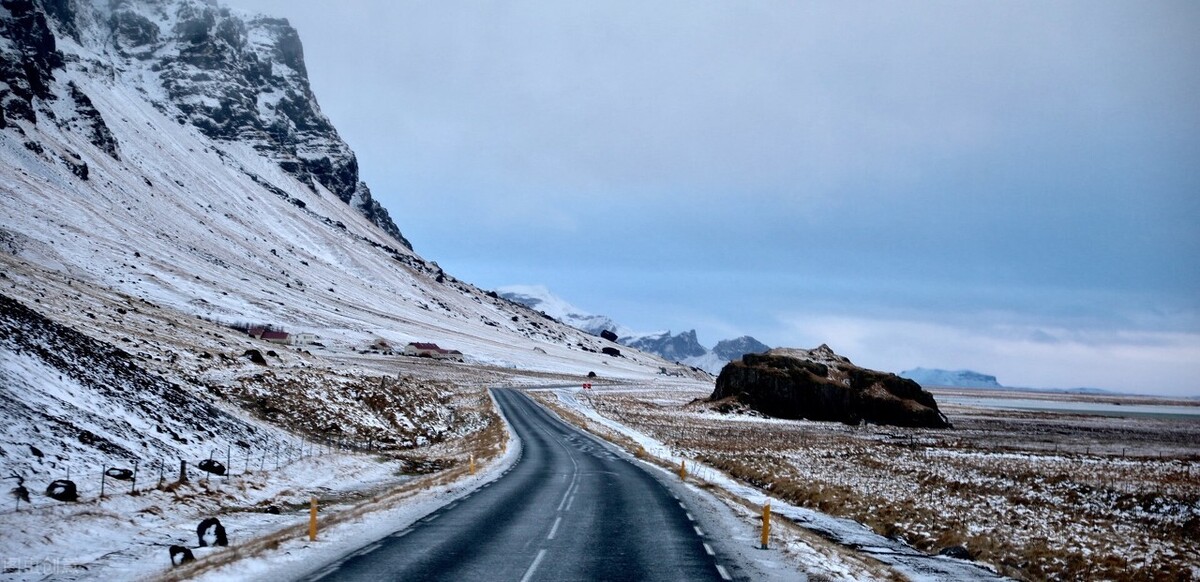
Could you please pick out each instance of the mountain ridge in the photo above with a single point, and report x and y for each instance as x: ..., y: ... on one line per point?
x: 683, y: 347
x: 950, y: 378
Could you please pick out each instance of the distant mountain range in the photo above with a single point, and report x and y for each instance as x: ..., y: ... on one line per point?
x: 682, y: 347
x: 951, y: 378
x: 972, y: 379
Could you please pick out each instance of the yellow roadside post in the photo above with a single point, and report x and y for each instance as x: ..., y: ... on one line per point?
x: 766, y: 524
x: 472, y: 464
x: 682, y: 469
x: 312, y: 520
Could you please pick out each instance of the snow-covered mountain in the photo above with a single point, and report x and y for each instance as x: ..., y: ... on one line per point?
x: 539, y: 298
x: 673, y: 347
x: 166, y: 172
x: 951, y: 378
x: 683, y: 347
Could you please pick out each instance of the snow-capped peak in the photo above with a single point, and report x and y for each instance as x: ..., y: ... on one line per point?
x: 539, y: 298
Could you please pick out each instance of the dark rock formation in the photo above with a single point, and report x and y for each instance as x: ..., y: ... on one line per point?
x: 210, y: 532
x: 62, y: 490
x: 608, y: 335
x: 733, y: 349
x: 180, y: 555
x: 121, y: 474
x: 614, y: 352
x: 671, y: 347
x: 212, y: 466
x: 236, y: 79
x: 958, y: 552
x: 821, y: 385
x: 27, y: 62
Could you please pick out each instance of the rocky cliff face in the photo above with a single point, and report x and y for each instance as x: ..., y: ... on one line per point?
x: 674, y: 348
x: 734, y: 349
x: 238, y: 78
x: 821, y: 385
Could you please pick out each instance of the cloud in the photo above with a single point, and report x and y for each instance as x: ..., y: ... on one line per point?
x: 706, y: 164
x: 1148, y: 362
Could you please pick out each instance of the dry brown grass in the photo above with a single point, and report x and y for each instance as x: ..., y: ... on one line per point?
x: 486, y: 445
x: 996, y: 486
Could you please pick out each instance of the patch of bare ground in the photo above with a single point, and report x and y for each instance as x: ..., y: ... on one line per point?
x: 1037, y: 495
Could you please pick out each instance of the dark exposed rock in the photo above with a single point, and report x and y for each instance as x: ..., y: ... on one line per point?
x: 671, y: 347
x: 958, y: 552
x: 27, y: 61
x: 821, y: 385
x: 212, y: 466
x: 93, y: 124
x: 133, y: 33
x: 610, y: 351
x: 62, y: 490
x: 210, y: 532
x: 733, y: 349
x: 608, y: 335
x: 122, y: 474
x: 255, y: 356
x: 180, y: 555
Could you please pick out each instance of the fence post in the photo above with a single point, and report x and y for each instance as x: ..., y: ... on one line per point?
x: 766, y: 524
x: 182, y: 471
x: 228, y: 460
x: 133, y: 486
x: 102, y: 470
x: 312, y: 520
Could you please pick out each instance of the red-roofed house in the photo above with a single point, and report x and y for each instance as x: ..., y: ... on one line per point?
x: 431, y: 350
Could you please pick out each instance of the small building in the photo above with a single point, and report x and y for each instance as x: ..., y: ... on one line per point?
x: 267, y: 334
x: 431, y: 350
x: 304, y: 339
x: 275, y: 337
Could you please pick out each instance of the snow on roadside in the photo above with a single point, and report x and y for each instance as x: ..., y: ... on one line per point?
x: 299, y: 558
x: 910, y: 562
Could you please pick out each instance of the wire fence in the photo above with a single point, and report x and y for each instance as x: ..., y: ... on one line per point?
x: 128, y: 476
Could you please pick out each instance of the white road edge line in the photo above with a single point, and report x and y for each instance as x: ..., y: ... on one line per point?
x: 724, y: 575
x: 708, y: 550
x: 690, y: 518
x: 698, y: 532
x: 533, y: 566
x: 569, y: 502
x: 554, y: 528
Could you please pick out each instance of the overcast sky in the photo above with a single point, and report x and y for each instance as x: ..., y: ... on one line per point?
x: 1010, y: 187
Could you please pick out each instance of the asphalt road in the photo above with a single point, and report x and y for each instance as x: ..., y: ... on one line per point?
x: 569, y: 509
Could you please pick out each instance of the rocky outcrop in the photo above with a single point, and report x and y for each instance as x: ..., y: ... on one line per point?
x: 821, y: 385
x: 733, y: 349
x: 234, y: 77
x: 28, y: 59
x: 673, y: 348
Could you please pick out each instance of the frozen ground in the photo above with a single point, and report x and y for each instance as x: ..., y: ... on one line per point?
x: 1106, y: 505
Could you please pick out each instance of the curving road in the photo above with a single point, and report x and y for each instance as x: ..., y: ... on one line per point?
x: 569, y: 509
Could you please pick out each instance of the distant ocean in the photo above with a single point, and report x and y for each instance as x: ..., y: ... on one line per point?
x: 1068, y: 406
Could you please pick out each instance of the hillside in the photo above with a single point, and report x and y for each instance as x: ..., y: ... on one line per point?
x: 166, y: 177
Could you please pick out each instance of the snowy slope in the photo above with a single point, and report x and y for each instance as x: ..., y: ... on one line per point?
x: 133, y: 233
x: 123, y: 221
